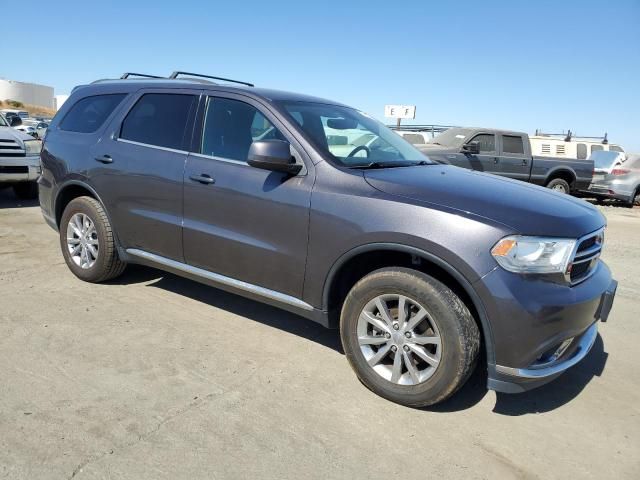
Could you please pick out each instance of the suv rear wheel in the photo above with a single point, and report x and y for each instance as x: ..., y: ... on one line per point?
x: 408, y: 337
x: 87, y: 241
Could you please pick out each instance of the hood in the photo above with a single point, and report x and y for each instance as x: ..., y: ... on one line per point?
x: 526, y: 209
x: 10, y: 133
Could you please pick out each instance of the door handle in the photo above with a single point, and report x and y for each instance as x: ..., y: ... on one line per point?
x: 524, y: 161
x: 204, y: 179
x: 104, y: 159
x: 495, y: 159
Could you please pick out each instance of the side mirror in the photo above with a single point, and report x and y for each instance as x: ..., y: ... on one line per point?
x: 273, y: 155
x: 15, y: 121
x: 471, y: 147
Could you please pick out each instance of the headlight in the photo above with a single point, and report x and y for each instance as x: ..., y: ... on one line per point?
x: 32, y: 147
x: 534, y: 254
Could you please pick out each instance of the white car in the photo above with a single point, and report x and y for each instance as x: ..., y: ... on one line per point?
x: 28, y: 129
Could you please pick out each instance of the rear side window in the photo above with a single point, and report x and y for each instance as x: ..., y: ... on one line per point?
x: 595, y: 148
x: 486, y: 142
x: 615, y: 148
x: 581, y: 151
x: 88, y: 114
x: 159, y: 119
x: 512, y: 144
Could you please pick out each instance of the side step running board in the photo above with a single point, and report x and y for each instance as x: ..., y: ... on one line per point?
x: 220, y: 279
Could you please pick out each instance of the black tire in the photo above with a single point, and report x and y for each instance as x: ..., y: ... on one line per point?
x: 557, y: 184
x: 458, y: 330
x: 26, y: 190
x: 635, y: 201
x: 107, y: 263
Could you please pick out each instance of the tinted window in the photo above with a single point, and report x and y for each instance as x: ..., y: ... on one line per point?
x: 414, y: 138
x: 512, y: 144
x: 159, y: 119
x: 88, y: 114
x: 230, y: 126
x: 615, y: 148
x: 582, y: 151
x: 595, y: 148
x: 486, y: 142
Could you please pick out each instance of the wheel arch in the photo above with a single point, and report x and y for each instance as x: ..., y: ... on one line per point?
x: 341, y: 277
x: 67, y: 192
x: 564, y: 173
x: 77, y: 188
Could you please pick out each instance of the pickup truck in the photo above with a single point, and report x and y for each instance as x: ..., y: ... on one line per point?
x: 19, y: 159
x: 507, y: 153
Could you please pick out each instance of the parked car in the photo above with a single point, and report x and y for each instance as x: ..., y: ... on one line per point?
x: 41, y: 128
x: 28, y: 129
x: 508, y: 154
x: 420, y: 265
x: 19, y: 159
x: 9, y: 115
x: 23, y: 114
x: 616, y: 176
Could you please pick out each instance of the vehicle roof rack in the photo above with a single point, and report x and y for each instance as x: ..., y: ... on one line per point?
x: 569, y: 136
x: 174, y: 75
x: 133, y: 74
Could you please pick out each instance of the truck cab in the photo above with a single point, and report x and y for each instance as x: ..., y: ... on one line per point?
x: 506, y: 153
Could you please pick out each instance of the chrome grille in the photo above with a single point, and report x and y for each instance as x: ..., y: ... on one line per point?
x: 586, y: 257
x: 11, y: 148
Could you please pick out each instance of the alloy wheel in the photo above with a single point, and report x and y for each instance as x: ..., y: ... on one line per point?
x: 399, y: 339
x: 82, y: 241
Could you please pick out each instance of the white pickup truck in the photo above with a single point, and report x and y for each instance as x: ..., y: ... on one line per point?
x: 19, y: 159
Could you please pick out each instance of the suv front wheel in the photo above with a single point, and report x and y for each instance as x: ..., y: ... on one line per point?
x: 87, y: 241
x: 408, y: 337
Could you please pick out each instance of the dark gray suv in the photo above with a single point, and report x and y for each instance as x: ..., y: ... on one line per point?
x: 319, y: 209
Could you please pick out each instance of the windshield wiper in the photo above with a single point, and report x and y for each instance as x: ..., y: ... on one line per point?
x: 377, y: 165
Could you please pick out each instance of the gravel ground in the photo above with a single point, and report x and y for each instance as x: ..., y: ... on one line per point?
x: 153, y: 376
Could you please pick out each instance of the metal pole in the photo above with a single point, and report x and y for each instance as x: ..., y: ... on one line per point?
x: 398, y: 124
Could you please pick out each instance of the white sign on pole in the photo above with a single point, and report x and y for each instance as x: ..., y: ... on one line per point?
x: 400, y: 111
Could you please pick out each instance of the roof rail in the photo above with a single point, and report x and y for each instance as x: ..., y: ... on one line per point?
x: 174, y: 75
x: 132, y: 74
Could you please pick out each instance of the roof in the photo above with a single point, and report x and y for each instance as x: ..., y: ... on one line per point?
x: 134, y: 84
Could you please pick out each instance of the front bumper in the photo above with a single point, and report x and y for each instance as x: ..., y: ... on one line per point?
x: 540, y: 329
x: 19, y: 169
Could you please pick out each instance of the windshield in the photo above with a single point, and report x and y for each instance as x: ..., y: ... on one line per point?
x: 453, y: 137
x: 3, y: 122
x: 352, y: 138
x: 604, y: 160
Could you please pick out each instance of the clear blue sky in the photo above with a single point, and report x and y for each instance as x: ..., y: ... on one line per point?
x: 507, y: 64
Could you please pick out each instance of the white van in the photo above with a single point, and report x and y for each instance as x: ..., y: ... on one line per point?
x: 567, y: 146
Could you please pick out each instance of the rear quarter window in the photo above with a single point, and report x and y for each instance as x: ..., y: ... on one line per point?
x: 89, y: 113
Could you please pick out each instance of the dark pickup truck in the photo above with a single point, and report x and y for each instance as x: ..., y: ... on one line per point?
x: 507, y: 153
